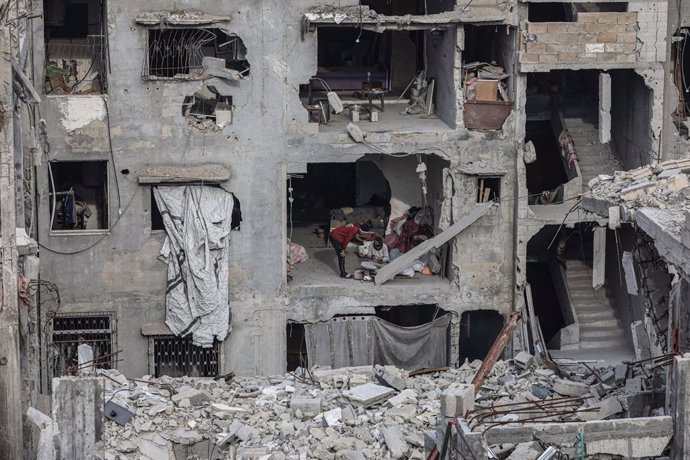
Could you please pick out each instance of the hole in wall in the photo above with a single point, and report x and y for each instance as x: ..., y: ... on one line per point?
x: 207, y: 109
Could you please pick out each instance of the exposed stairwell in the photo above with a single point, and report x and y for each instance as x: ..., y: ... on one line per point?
x: 599, y: 326
x: 593, y: 157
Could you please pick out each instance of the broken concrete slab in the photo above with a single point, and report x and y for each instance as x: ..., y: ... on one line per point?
x: 526, y: 450
x: 395, y: 441
x: 171, y: 174
x: 192, y: 395
x: 634, y: 437
x: 368, y: 394
x: 569, y: 388
x: 629, y: 270
x: 307, y: 405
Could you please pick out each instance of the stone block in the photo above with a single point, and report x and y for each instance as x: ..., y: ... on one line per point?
x: 537, y: 27
x: 678, y: 182
x: 368, y: 394
x: 569, y: 388
x: 609, y: 407
x: 557, y: 27
x: 457, y: 399
x: 395, y: 441
x: 192, y: 395
x: 308, y: 406
x: 405, y: 397
x: 523, y: 359
x: 389, y: 379
x: 526, y: 450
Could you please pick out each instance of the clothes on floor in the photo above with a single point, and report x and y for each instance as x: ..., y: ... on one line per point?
x: 296, y: 254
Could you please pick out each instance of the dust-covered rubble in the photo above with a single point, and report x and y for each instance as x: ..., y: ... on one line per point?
x: 347, y: 413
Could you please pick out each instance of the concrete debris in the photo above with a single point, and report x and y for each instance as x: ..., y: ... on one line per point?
x: 526, y: 450
x: 344, y: 414
x: 663, y: 186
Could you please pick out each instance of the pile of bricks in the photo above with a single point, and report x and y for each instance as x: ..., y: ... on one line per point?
x: 595, y: 37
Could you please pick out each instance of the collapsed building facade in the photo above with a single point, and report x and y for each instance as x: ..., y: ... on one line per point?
x: 458, y: 110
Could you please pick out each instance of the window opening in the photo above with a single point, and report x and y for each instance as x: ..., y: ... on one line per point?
x: 386, y: 192
x: 178, y: 356
x: 486, y: 79
x: 207, y: 109
x: 78, y: 195
x: 156, y: 217
x: 75, y: 52
x: 296, y: 347
x: 488, y: 189
x: 71, y: 331
x: 191, y: 54
x: 478, y: 332
x: 387, y: 78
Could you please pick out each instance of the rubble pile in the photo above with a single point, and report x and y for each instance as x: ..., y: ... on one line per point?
x: 521, y: 391
x: 663, y: 186
x: 354, y: 413
x: 326, y: 414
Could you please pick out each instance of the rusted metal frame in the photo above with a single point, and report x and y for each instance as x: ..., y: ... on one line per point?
x: 522, y: 422
x: 529, y: 409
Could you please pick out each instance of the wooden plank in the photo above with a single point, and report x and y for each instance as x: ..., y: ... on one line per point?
x: 389, y: 271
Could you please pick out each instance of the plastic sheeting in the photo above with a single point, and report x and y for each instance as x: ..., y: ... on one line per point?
x: 367, y: 340
x: 197, y: 222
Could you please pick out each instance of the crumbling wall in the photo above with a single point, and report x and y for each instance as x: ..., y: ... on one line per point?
x: 593, y: 38
x: 631, y: 113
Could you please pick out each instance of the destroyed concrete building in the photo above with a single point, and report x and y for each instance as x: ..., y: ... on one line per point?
x: 473, y: 135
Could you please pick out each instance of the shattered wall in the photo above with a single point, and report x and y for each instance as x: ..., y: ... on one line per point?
x: 140, y: 124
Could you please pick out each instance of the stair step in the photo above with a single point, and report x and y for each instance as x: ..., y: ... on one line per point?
x: 603, y: 344
x: 598, y: 335
x: 596, y: 318
x: 610, y: 326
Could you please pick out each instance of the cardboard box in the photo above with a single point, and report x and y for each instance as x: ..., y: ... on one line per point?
x: 486, y: 90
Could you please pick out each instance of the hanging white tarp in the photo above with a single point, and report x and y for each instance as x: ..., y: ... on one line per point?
x: 197, y: 222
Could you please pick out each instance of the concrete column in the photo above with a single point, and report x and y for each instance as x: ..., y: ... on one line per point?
x: 599, y: 258
x: 77, y: 418
x: 604, y: 107
x: 680, y: 406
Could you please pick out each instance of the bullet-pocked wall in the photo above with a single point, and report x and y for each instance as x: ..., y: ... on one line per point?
x: 141, y: 123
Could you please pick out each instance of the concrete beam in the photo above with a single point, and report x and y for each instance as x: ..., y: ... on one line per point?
x: 77, y: 418
x: 632, y: 437
x: 680, y: 406
x: 604, y: 107
x: 599, y: 258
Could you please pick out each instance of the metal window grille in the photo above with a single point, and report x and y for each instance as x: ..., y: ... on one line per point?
x: 176, y: 53
x: 178, y: 356
x: 71, y: 331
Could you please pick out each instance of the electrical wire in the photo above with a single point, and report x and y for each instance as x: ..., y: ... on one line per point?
x: 70, y: 253
x: 112, y: 156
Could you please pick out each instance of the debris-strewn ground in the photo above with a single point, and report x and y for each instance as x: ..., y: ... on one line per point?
x: 664, y: 186
x: 346, y: 413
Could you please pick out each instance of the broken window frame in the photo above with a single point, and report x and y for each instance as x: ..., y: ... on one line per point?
x: 96, y: 45
x: 51, y: 333
x: 192, y: 68
x: 482, y: 188
x: 53, y: 201
x: 154, y: 367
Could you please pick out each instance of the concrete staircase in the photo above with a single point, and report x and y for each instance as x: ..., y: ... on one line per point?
x: 593, y: 157
x: 599, y: 327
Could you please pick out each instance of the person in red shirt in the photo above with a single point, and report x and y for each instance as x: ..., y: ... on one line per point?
x: 341, y: 236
